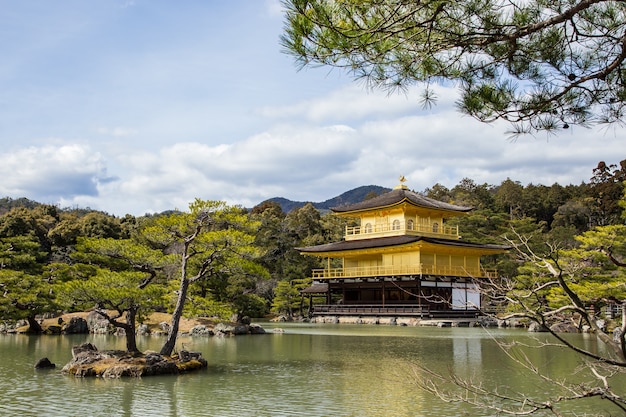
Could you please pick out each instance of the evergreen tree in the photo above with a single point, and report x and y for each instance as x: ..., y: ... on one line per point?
x: 540, y: 65
x: 120, y: 297
x: 209, y: 240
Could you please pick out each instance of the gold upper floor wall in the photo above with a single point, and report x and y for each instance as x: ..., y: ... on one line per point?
x: 400, y: 221
x: 402, y: 227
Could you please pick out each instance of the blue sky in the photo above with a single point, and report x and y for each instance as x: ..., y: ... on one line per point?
x: 140, y: 106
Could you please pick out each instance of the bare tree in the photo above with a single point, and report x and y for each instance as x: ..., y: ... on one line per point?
x: 547, y: 292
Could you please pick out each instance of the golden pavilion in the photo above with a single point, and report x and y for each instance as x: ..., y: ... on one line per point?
x: 401, y: 259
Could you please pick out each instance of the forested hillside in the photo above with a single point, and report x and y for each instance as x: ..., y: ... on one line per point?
x: 250, y: 266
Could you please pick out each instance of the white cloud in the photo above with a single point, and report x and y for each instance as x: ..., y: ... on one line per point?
x: 51, y: 171
x: 348, y: 103
x: 304, y: 161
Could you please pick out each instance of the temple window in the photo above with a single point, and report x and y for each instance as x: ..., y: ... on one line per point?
x: 395, y: 225
x: 435, y: 227
x: 368, y: 227
x: 409, y: 224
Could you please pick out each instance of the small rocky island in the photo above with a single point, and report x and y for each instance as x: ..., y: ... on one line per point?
x: 88, y: 361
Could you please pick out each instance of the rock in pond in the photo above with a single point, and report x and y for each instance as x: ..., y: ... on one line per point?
x: 44, y: 363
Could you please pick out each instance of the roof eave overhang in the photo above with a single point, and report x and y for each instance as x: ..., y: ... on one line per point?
x: 420, y: 242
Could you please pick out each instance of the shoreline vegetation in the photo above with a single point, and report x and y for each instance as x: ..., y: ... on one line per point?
x: 155, y: 324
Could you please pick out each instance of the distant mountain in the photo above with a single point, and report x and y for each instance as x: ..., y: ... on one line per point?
x: 355, y: 195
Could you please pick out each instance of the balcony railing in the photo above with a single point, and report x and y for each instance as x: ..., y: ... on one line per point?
x: 391, y: 229
x: 383, y: 271
x: 371, y: 310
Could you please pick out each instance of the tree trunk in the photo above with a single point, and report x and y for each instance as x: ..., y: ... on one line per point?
x: 33, y: 325
x: 169, y: 344
x: 131, y: 335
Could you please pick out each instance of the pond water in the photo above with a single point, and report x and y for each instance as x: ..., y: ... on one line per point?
x: 307, y: 370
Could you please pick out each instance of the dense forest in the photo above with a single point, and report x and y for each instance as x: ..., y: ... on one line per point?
x: 239, y: 262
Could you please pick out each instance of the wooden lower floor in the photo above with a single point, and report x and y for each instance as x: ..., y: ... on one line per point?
x: 414, y: 296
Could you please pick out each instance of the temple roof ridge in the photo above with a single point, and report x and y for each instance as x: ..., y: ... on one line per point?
x: 398, y: 195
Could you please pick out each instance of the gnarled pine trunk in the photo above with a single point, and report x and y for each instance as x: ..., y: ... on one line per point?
x: 170, y: 343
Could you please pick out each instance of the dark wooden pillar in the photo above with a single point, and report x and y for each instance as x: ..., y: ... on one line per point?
x: 419, y: 292
x: 384, y: 292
